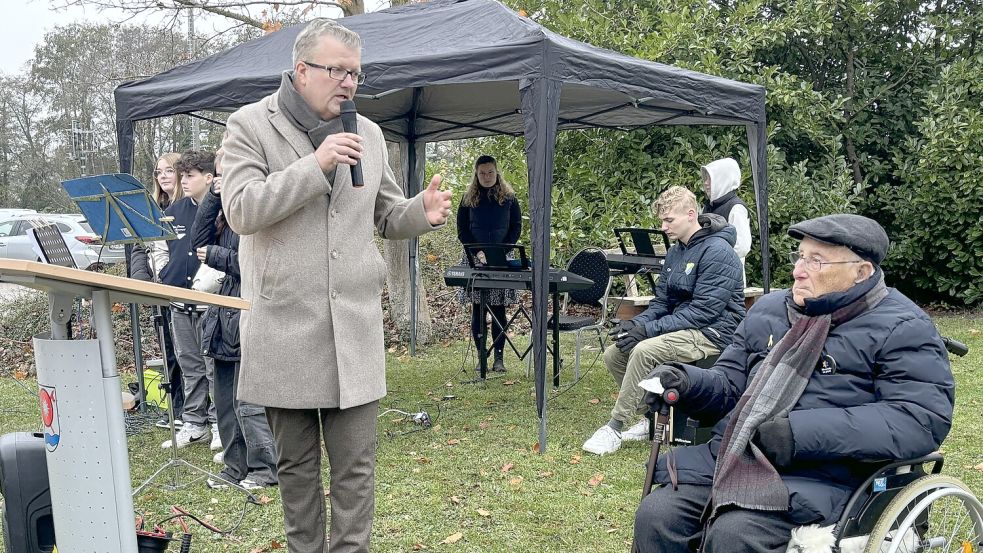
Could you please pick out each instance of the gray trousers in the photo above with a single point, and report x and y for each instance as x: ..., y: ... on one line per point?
x: 628, y: 369
x: 350, y: 440
x: 246, y: 436
x: 669, y: 521
x: 196, y: 370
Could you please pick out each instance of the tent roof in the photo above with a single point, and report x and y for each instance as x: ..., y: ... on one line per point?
x: 467, y: 59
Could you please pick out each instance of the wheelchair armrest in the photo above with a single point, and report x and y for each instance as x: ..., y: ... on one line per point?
x: 878, y: 470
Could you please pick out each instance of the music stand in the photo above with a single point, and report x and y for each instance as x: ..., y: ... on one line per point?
x: 496, y: 257
x: 50, y: 245
x: 642, y: 240
x: 121, y: 208
x: 118, y: 208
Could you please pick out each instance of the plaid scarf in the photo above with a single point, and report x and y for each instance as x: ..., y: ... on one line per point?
x: 743, y: 476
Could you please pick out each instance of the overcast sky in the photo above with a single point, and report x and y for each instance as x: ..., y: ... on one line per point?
x: 26, y: 21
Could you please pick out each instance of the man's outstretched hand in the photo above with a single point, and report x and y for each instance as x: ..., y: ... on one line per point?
x: 437, y: 202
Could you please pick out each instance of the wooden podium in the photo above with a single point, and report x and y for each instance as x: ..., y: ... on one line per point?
x: 79, y: 390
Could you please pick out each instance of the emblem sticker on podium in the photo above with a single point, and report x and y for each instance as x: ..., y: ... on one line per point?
x: 49, y: 417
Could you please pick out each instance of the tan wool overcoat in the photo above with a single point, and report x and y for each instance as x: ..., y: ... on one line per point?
x: 313, y: 336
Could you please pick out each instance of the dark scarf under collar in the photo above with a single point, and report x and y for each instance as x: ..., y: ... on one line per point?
x: 743, y: 476
x: 300, y: 115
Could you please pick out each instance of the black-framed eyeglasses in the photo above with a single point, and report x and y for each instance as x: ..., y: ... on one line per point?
x: 815, y: 264
x: 338, y: 73
x: 168, y: 171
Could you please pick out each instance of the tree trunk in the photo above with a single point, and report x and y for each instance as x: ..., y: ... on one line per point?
x: 851, y: 90
x: 397, y: 255
x: 353, y: 7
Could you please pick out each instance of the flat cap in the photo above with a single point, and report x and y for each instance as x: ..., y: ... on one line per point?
x: 866, y: 237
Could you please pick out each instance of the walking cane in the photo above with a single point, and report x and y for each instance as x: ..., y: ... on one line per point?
x: 669, y: 398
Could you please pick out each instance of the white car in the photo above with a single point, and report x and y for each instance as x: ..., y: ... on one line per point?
x: 6, y: 212
x: 86, y: 246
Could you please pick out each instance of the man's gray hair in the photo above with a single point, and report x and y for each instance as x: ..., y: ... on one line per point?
x: 309, y: 38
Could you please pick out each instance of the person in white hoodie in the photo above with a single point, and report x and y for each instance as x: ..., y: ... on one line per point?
x: 721, y: 179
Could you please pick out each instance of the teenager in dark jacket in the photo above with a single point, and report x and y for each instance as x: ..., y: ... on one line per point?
x: 146, y: 261
x: 821, y: 379
x: 698, y: 303
x: 250, y: 453
x: 489, y: 213
x: 196, y: 170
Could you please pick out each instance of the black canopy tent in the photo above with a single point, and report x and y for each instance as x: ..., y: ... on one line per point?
x: 452, y: 69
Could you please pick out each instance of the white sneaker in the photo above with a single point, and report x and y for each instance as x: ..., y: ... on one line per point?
x: 216, y: 484
x: 216, y: 444
x: 605, y: 440
x: 162, y: 423
x: 639, y: 432
x: 251, y: 484
x: 219, y: 458
x: 190, y: 433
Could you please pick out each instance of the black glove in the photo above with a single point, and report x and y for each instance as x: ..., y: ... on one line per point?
x: 671, y: 376
x: 622, y: 327
x: 774, y: 438
x: 630, y: 339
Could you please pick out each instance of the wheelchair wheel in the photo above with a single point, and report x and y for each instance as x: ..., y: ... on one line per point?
x: 934, y: 513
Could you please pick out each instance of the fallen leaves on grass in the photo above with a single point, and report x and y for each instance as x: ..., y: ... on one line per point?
x: 484, y: 512
x: 484, y: 425
x: 507, y: 467
x: 455, y: 500
x: 274, y: 544
x: 453, y: 538
x: 596, y: 479
x: 453, y: 441
x: 575, y: 460
x: 594, y: 401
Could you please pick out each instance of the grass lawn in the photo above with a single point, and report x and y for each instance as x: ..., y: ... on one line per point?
x: 474, y: 482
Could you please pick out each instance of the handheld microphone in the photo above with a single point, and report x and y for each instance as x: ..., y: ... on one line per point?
x: 350, y: 123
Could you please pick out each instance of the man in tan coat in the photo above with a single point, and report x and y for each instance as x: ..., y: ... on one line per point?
x: 312, y: 342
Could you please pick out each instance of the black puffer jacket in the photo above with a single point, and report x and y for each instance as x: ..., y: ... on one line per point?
x: 886, y: 393
x: 220, y: 325
x: 489, y: 221
x: 701, y: 286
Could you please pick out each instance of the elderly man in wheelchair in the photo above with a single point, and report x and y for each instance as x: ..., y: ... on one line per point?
x: 820, y: 382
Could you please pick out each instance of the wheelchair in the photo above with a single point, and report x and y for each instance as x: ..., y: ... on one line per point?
x: 902, y: 507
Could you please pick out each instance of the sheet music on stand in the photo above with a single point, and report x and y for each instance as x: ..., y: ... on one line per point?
x: 50, y: 245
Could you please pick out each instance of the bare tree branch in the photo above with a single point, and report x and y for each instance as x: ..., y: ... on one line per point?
x: 223, y: 8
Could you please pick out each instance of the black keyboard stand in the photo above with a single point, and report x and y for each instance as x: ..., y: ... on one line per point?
x: 482, y: 348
